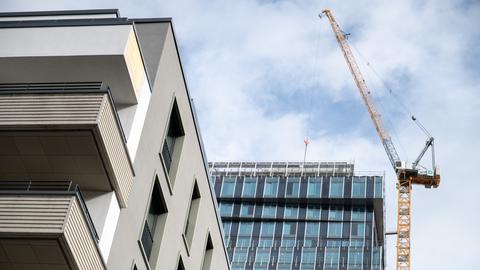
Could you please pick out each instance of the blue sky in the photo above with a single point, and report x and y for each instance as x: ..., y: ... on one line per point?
x: 265, y: 74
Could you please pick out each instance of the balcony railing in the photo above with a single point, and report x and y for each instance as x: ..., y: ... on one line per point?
x: 54, y: 188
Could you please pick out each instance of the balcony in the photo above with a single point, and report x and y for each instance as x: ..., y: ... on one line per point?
x: 64, y: 131
x: 46, y: 225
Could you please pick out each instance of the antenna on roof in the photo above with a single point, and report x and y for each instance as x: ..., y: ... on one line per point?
x: 306, y: 141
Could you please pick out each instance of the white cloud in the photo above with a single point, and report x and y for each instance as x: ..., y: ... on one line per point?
x: 239, y: 55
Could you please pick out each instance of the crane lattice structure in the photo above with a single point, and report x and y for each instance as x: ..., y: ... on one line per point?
x: 407, y: 174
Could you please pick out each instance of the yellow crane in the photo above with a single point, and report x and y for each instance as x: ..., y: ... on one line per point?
x: 407, y: 174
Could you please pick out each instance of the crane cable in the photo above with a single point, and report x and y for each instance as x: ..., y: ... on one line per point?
x: 392, y: 93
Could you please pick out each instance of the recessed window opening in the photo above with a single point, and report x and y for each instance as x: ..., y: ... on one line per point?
x: 155, y: 221
x: 192, y: 214
x: 180, y: 264
x: 207, y: 258
x: 172, y: 139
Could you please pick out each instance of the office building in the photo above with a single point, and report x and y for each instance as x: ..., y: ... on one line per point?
x: 289, y: 215
x: 101, y: 160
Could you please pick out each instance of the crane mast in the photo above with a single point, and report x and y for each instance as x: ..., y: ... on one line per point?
x: 406, y: 175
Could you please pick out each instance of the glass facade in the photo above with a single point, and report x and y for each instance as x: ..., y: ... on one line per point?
x: 302, y: 222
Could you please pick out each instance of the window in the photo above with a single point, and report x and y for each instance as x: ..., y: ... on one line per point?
x: 314, y: 187
x: 247, y: 210
x: 285, y: 256
x: 335, y: 213
x: 245, y: 228
x: 332, y: 256
x: 249, y: 186
x: 226, y: 227
x: 376, y: 258
x: 289, y: 228
x: 155, y: 220
x: 289, y: 234
x: 358, y: 187
x: 266, y: 234
x: 378, y: 187
x: 263, y: 255
x: 226, y: 209
x: 192, y: 214
x: 312, y: 229
x: 240, y: 255
x: 358, y: 214
x: 174, y: 132
x: 207, y: 257
x: 313, y: 212
x: 228, y: 186
x: 358, y: 229
x: 334, y: 229
x: 271, y: 187
x: 268, y: 229
x: 355, y: 257
x: 308, y: 258
x: 243, y: 241
x: 336, y: 187
x: 293, y: 187
x: 269, y: 211
x: 291, y: 211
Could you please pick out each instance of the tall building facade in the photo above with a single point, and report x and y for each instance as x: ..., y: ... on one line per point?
x: 101, y: 161
x: 290, y: 215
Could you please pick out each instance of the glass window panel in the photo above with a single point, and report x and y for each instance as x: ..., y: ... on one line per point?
x: 226, y: 209
x: 355, y: 257
x: 268, y: 229
x: 334, y: 243
x: 289, y: 228
x: 247, y: 210
x: 263, y: 255
x: 313, y: 212
x: 228, y: 187
x: 376, y: 258
x: 293, y: 187
x: 249, y: 187
x: 332, y: 256
x: 314, y: 187
x: 308, y: 256
x: 335, y: 213
x: 291, y: 211
x: 243, y: 241
x: 358, y: 214
x: 334, y: 229
x: 240, y: 255
x: 378, y: 187
x: 336, y: 187
x: 358, y: 186
x: 271, y: 187
x: 285, y: 255
x: 358, y: 229
x: 312, y: 228
x: 269, y: 210
x: 226, y: 227
x: 245, y: 228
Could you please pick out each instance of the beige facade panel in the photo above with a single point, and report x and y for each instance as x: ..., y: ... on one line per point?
x: 38, y: 214
x: 79, y: 242
x: 50, y: 217
x: 78, y: 112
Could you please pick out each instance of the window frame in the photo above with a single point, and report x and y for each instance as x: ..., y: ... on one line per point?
x: 171, y: 169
